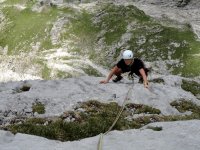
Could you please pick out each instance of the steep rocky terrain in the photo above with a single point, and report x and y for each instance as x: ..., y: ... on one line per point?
x: 53, y: 40
x: 54, y: 53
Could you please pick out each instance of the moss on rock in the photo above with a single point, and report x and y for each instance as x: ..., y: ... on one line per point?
x: 191, y: 86
x: 96, y: 118
x: 183, y: 105
x: 92, y: 118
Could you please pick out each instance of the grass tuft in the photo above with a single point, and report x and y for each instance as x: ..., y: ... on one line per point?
x: 183, y: 105
x: 139, y: 108
x: 38, y: 107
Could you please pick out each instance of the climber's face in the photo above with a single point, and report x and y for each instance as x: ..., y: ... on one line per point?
x: 128, y: 61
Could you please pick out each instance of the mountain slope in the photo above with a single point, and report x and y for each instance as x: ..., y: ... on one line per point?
x: 56, y: 40
x: 83, y: 39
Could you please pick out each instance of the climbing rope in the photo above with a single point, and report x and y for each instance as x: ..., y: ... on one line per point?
x: 116, y: 119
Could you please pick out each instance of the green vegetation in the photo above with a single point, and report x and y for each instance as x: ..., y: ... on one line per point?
x: 99, y: 35
x: 83, y: 32
x: 191, y: 86
x: 89, y: 70
x: 149, y: 39
x: 92, y: 118
x: 46, y: 43
x: 157, y: 80
x: 45, y: 70
x: 38, y: 107
x: 26, y: 28
x: 116, y: 21
x: 108, y: 23
x: 63, y: 75
x: 13, y: 2
x: 139, y: 108
x: 153, y: 41
x: 183, y: 105
x: 97, y: 118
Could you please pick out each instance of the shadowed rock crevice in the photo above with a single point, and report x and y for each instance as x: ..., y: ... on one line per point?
x: 182, y: 3
x: 22, y: 88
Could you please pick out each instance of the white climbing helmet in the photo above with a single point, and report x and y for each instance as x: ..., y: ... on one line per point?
x: 127, y: 54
